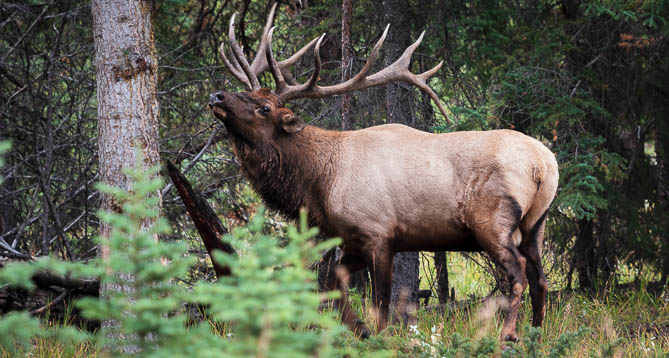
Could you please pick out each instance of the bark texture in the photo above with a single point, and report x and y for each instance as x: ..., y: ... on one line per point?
x: 584, y: 255
x: 404, y: 295
x: 126, y: 73
x: 662, y: 149
x: 441, y: 265
x: 398, y: 96
x: 360, y: 279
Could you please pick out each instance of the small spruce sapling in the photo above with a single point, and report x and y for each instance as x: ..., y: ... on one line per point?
x: 143, y: 312
x: 271, y: 298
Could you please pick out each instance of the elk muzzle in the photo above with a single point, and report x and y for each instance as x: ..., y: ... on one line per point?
x: 216, y: 104
x: 216, y: 98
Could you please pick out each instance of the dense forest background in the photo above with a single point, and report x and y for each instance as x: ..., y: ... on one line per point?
x: 590, y: 79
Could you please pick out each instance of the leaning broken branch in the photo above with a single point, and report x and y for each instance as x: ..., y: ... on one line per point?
x: 206, y: 222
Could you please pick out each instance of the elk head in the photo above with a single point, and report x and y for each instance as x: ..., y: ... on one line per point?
x: 259, y: 115
x: 254, y: 117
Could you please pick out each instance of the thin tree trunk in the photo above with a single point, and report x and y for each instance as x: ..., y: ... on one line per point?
x: 441, y: 266
x: 398, y: 96
x: 584, y: 258
x: 404, y: 295
x: 662, y: 150
x: 346, y: 62
x: 360, y: 279
x: 126, y: 72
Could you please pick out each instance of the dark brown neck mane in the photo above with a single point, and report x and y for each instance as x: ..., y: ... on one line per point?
x: 293, y: 171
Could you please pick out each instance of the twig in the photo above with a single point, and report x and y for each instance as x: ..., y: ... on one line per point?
x: 36, y: 217
x: 29, y: 29
x: 48, y: 305
x: 192, y: 163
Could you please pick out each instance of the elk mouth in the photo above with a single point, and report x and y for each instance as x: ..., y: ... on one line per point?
x: 220, y: 112
x: 217, y: 105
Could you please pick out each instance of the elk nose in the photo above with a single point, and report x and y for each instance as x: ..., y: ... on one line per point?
x: 216, y: 98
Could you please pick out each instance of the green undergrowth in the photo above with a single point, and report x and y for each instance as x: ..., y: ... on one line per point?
x: 466, y: 276
x: 631, y: 323
x: 625, y: 323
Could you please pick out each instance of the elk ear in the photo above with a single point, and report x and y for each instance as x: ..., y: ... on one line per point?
x: 292, y: 123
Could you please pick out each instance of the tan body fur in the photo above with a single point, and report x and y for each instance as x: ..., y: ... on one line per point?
x: 428, y: 190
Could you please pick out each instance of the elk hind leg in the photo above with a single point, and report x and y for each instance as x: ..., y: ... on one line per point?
x: 503, y: 251
x: 338, y: 280
x: 531, y: 249
x: 379, y: 260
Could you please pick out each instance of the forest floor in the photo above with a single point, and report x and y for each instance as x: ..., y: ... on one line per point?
x: 619, y: 322
x: 625, y: 323
x: 629, y: 322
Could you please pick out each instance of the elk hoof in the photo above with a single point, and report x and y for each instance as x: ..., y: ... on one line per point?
x: 361, y: 330
x: 511, y: 338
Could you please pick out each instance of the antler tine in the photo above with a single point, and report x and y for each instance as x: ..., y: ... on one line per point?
x: 260, y: 64
x: 285, y: 64
x: 248, y: 74
x: 297, y: 55
x: 233, y: 67
x: 420, y: 81
x: 399, y: 70
x: 317, y: 65
x: 260, y: 61
x: 239, y: 55
x: 280, y: 82
x: 275, y: 68
x: 372, y: 56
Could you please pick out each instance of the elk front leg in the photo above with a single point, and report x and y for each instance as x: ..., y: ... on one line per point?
x: 379, y: 260
x: 338, y: 279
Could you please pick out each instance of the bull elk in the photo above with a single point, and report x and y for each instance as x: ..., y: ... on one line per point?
x: 390, y: 188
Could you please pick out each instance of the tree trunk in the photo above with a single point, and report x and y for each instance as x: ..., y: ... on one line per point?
x: 360, y: 279
x: 570, y: 8
x: 584, y: 255
x: 662, y: 150
x: 126, y: 73
x: 404, y: 296
x: 441, y: 266
x: 404, y: 293
x: 398, y: 96
x: 207, y: 223
x: 346, y: 63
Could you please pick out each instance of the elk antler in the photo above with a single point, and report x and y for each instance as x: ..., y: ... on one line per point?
x: 398, y: 71
x: 248, y: 74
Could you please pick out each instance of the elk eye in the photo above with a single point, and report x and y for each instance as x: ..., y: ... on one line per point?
x: 264, y: 109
